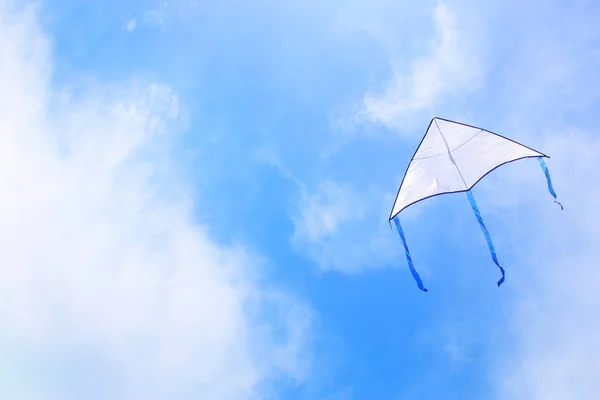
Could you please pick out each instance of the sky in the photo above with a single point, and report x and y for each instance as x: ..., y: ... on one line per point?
x: 195, y: 195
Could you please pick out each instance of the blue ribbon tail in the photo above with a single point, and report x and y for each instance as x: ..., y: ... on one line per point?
x: 411, y: 266
x: 486, y: 233
x: 548, y: 180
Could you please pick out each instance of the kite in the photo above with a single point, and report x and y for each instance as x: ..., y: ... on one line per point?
x: 451, y: 158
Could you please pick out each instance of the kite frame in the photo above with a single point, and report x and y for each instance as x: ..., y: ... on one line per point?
x: 473, y: 185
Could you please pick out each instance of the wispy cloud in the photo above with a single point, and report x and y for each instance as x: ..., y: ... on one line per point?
x: 541, y: 90
x: 130, y: 25
x: 451, y: 67
x: 325, y: 210
x: 549, y: 94
x: 332, y: 214
x: 343, y: 229
x: 553, y: 324
x: 105, y: 274
x: 156, y: 16
x: 158, y: 13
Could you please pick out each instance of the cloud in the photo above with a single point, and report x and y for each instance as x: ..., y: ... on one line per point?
x: 108, y: 287
x: 542, y: 93
x: 163, y: 12
x: 452, y: 67
x: 552, y: 306
x: 130, y: 25
x: 323, y: 211
x: 543, y: 80
x: 552, y: 311
x: 157, y: 15
x: 343, y: 229
x: 332, y: 215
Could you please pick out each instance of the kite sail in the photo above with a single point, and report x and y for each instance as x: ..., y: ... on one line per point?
x: 451, y: 158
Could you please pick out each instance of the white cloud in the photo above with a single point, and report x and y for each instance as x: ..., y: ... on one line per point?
x: 130, y: 25
x: 329, y: 217
x: 343, y: 229
x: 323, y: 212
x: 157, y: 16
x: 453, y: 66
x: 162, y: 12
x: 553, y: 310
x: 553, y: 325
x: 333, y: 215
x: 100, y: 255
x: 551, y: 256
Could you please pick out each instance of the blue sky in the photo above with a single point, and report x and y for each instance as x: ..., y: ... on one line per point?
x: 196, y: 199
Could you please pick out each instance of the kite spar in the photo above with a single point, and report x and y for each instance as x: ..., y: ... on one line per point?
x: 451, y: 158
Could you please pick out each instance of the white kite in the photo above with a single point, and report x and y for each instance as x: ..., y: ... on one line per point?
x: 452, y: 157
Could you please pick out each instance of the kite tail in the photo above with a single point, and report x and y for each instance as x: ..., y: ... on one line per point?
x: 486, y: 233
x: 413, y: 271
x: 547, y: 173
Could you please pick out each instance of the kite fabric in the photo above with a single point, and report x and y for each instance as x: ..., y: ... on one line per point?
x: 451, y: 158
